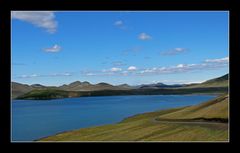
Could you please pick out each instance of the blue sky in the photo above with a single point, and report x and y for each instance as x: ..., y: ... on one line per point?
x: 55, y: 48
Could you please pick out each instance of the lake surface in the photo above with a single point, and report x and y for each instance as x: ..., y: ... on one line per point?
x: 34, y: 119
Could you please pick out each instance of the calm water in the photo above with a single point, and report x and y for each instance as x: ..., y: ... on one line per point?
x: 34, y: 119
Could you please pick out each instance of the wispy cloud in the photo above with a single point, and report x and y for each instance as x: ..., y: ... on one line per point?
x: 53, y: 49
x: 44, y: 75
x: 211, y: 64
x: 28, y: 76
x: 182, y: 68
x: 174, y: 51
x: 144, y: 36
x: 60, y: 74
x: 115, y: 69
x: 219, y: 60
x: 42, y: 19
x: 177, y: 81
x: 120, y: 24
x: 90, y: 74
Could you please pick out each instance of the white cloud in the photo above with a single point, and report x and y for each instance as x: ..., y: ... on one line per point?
x: 115, y: 69
x: 219, y: 60
x: 118, y: 23
x: 53, y: 49
x: 181, y: 68
x: 90, y: 74
x: 180, y: 65
x: 132, y: 68
x: 57, y: 74
x: 45, y: 75
x: 34, y: 75
x: 67, y: 74
x: 42, y: 19
x: 178, y: 81
x: 179, y: 49
x: 174, y: 51
x: 144, y: 36
x: 212, y: 64
x: 29, y: 76
x: 24, y: 76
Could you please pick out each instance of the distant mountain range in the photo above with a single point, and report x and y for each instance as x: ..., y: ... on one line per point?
x: 160, y: 85
x: 19, y: 89
x: 78, y: 88
x: 86, y: 86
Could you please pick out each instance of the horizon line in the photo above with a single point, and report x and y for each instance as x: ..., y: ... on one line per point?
x: 164, y: 82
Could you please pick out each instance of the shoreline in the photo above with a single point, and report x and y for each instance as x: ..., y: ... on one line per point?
x: 188, y: 94
x: 194, y: 121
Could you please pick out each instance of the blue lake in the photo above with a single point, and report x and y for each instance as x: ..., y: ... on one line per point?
x: 34, y: 119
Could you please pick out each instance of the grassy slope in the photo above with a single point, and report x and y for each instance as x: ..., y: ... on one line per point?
x: 217, y: 108
x: 217, y: 82
x: 209, y: 84
x: 142, y: 127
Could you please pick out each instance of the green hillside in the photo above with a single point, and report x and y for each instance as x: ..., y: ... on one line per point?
x: 214, y: 109
x: 217, y: 82
x: 166, y: 125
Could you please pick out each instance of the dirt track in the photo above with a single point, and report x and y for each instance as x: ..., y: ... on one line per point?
x: 208, y: 124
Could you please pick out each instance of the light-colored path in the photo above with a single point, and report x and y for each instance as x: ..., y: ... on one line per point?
x: 209, y: 124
